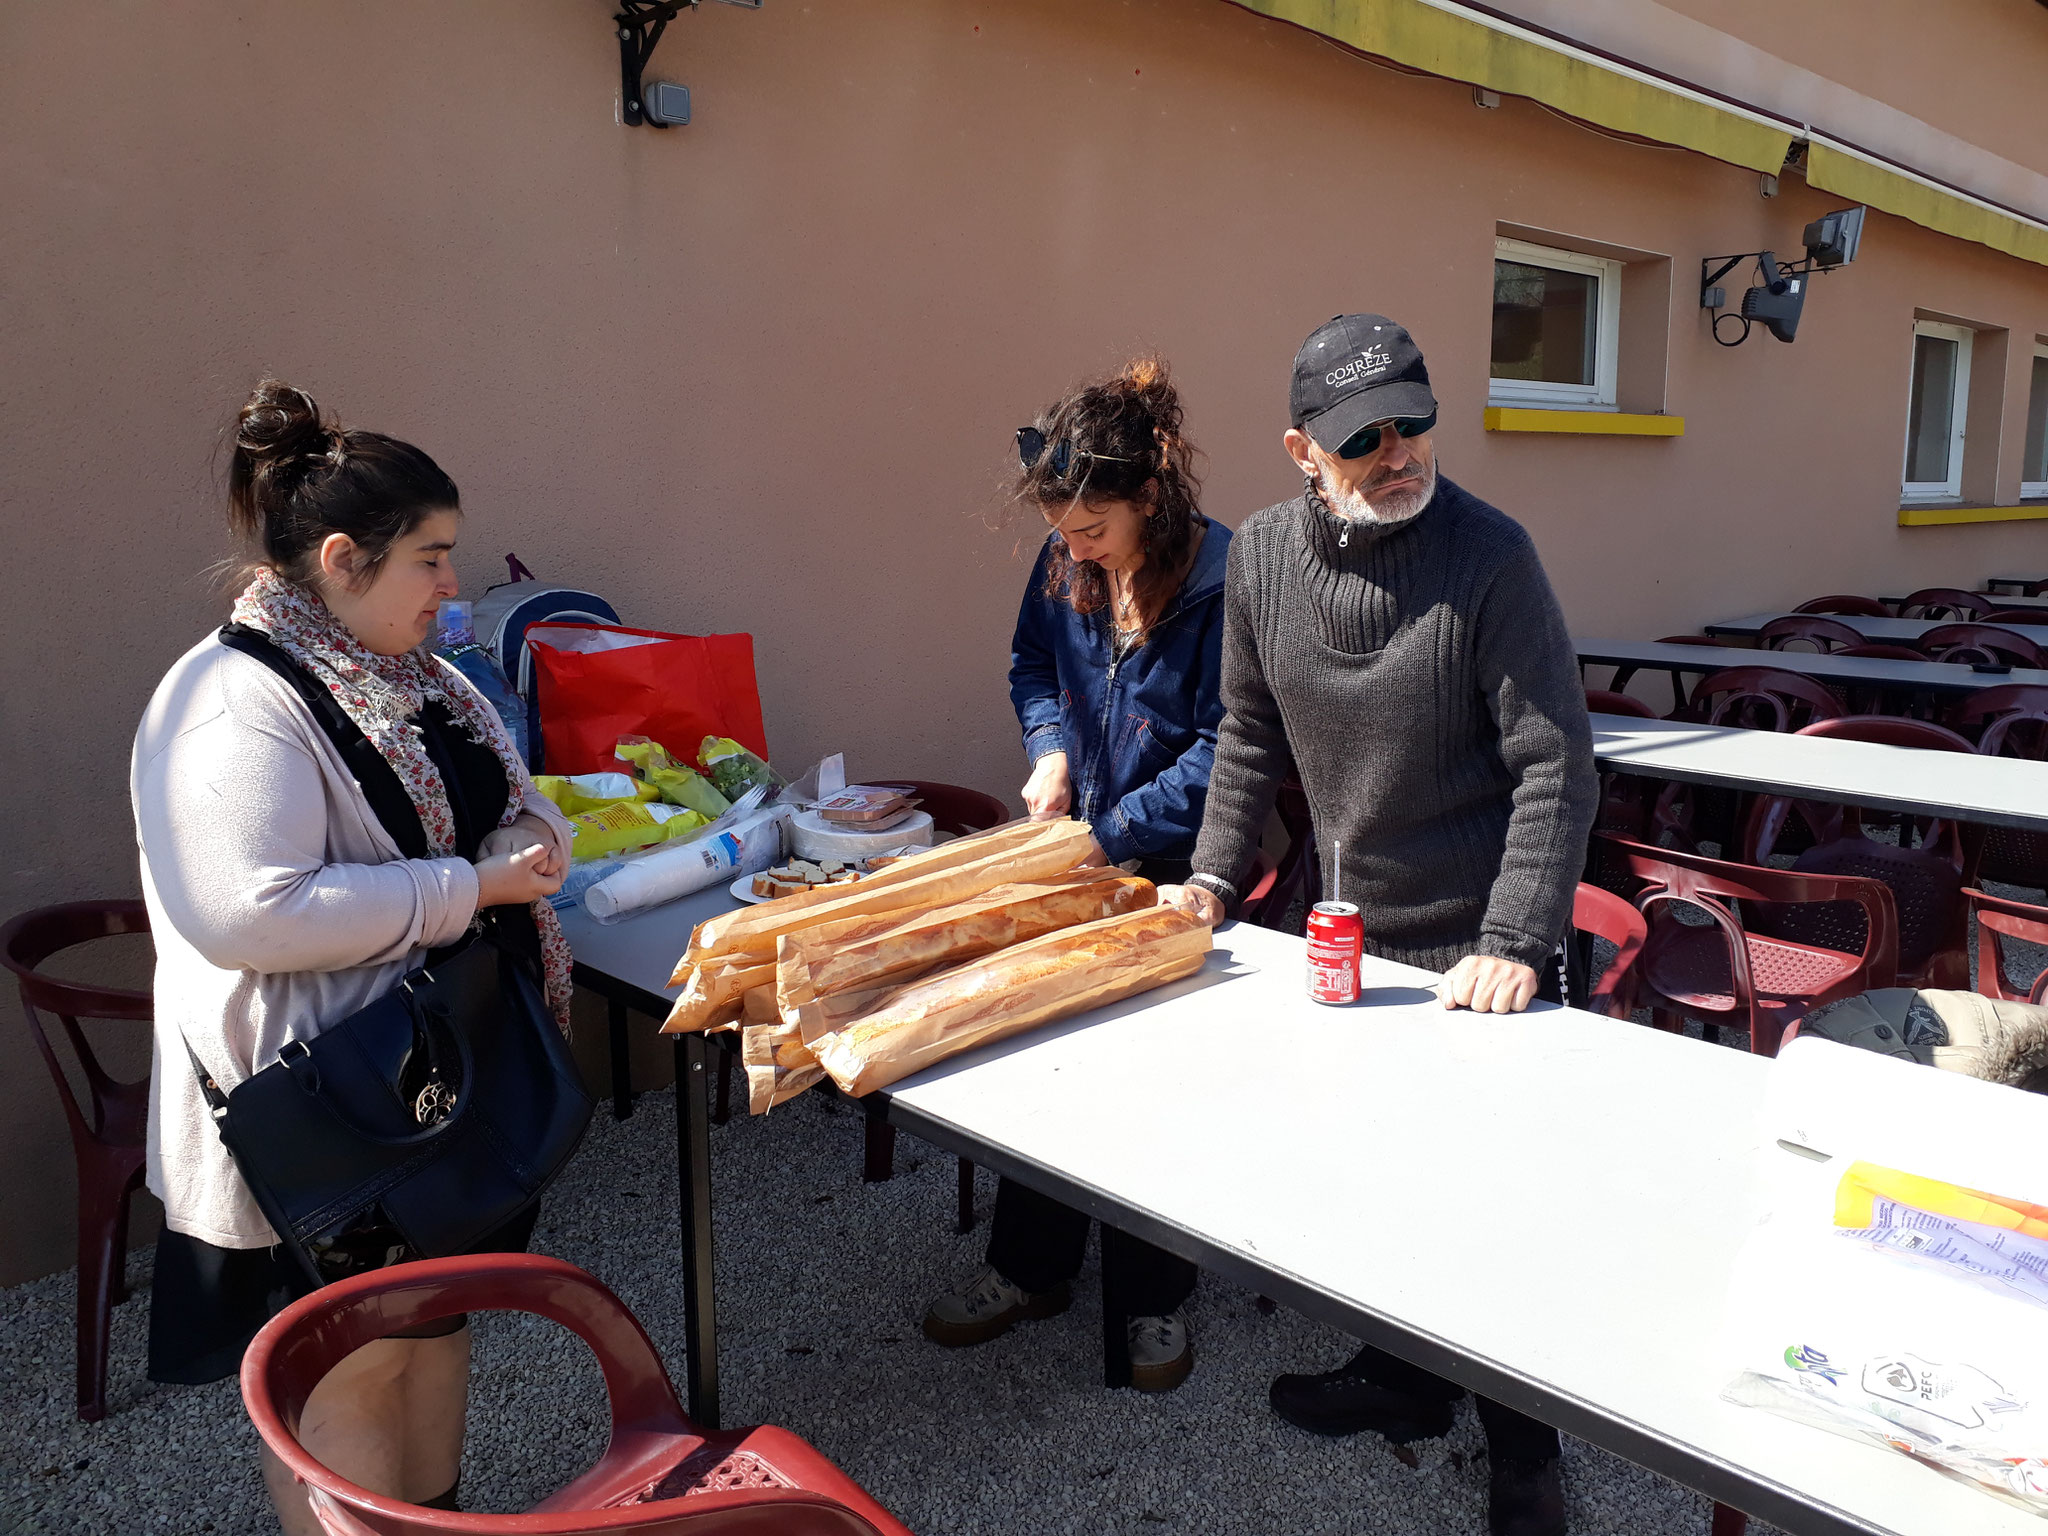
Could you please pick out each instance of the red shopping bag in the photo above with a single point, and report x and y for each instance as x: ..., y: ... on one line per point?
x: 598, y: 682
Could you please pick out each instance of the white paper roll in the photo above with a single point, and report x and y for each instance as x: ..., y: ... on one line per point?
x: 811, y: 836
x: 746, y: 848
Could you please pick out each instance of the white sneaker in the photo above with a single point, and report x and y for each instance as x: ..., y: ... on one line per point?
x: 986, y: 1306
x: 1162, y: 1352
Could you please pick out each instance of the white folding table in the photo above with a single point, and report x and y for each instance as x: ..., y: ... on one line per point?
x: 1881, y: 631
x: 1542, y: 1207
x: 1822, y: 667
x: 1994, y: 791
x: 1996, y: 585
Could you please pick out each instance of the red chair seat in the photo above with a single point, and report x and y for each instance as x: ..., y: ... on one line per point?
x: 659, y: 1474
x: 1689, y: 965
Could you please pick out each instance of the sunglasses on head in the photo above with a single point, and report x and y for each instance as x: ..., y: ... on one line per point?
x: 1367, y: 439
x: 1031, y: 448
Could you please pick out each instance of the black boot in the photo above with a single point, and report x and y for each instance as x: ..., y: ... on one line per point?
x: 1526, y: 1499
x: 1356, y: 1397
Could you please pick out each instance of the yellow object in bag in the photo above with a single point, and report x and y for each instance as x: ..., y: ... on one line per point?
x: 629, y: 824
x: 593, y: 791
x: 673, y: 781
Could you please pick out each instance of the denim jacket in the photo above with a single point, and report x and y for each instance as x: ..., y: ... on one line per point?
x: 1139, y: 735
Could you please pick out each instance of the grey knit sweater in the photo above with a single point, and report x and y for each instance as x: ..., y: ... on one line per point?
x: 1421, y: 681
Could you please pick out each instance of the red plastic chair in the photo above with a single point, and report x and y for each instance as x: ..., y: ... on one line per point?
x: 1605, y: 701
x: 1752, y: 698
x: 1297, y: 877
x: 1680, y: 699
x: 1762, y: 699
x: 1998, y: 918
x: 1819, y: 634
x: 1926, y: 881
x: 2010, y: 720
x: 1723, y: 972
x: 1842, y: 603
x: 2014, y: 616
x: 1945, y: 603
x: 660, y: 1475
x: 1980, y: 645
x: 1607, y: 916
x: 1875, y: 699
x: 954, y: 809
x: 106, y: 1143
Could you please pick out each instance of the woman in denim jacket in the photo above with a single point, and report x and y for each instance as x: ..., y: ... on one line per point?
x: 1114, y: 673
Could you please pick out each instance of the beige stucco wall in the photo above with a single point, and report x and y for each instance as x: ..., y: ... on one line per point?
x: 762, y: 372
x: 1973, y: 68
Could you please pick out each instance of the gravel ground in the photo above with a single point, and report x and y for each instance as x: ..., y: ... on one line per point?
x: 821, y: 1284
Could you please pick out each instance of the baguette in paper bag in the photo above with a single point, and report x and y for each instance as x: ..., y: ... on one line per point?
x: 948, y: 873
x: 861, y: 951
x: 778, y: 1066
x: 1008, y: 992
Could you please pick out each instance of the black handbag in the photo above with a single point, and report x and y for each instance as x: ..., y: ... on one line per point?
x: 440, y: 1109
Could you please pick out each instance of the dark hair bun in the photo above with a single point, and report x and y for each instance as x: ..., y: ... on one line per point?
x: 281, y: 424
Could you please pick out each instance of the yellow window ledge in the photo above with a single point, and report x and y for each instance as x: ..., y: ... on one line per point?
x: 1941, y: 517
x: 1508, y: 418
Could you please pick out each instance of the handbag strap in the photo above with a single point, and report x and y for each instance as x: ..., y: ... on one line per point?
x: 379, y: 780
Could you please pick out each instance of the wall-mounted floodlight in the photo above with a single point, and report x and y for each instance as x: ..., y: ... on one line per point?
x: 1778, y: 296
x: 640, y: 25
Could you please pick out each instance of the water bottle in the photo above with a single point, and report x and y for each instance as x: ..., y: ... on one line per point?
x: 455, y: 640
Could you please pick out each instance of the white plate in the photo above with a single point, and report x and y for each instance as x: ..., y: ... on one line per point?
x: 743, y: 890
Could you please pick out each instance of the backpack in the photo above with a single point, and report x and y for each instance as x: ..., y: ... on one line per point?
x: 501, y: 618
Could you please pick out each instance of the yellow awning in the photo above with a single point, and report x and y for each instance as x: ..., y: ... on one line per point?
x: 1866, y: 181
x: 1501, y: 57
x: 1459, y: 47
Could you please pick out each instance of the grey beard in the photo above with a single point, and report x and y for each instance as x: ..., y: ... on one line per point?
x: 1390, y: 510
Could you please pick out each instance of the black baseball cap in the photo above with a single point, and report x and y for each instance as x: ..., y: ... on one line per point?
x: 1353, y: 371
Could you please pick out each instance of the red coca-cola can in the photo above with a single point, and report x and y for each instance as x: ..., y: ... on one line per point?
x: 1336, y: 935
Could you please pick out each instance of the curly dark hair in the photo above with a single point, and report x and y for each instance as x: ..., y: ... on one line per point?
x: 1122, y: 441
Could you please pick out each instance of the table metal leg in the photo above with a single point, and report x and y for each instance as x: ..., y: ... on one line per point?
x: 966, y: 1195
x: 723, y: 1113
x: 620, y: 1024
x: 879, y: 1165
x: 693, y: 1184
x: 1116, y: 1342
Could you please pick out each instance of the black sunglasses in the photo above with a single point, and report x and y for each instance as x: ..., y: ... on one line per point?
x: 1367, y: 439
x: 1031, y: 448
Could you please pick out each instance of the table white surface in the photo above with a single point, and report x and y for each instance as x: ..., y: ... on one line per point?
x: 1544, y: 1206
x: 1931, y: 676
x: 642, y: 950
x: 1998, y: 599
x: 1993, y: 583
x: 1997, y: 791
x: 1882, y: 631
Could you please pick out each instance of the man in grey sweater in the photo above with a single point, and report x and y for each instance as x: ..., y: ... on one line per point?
x: 1394, y: 639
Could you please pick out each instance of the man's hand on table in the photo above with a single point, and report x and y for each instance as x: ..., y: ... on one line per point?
x: 1199, y: 900
x: 1487, y: 984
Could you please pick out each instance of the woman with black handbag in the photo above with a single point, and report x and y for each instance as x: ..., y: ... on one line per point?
x: 329, y: 814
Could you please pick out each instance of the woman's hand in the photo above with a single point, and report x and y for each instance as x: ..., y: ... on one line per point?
x: 1196, y: 899
x: 1048, y: 792
x: 515, y: 879
x: 524, y: 832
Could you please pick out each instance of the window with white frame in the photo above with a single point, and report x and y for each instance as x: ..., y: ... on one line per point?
x: 2034, y: 465
x: 1934, y: 412
x: 1556, y: 323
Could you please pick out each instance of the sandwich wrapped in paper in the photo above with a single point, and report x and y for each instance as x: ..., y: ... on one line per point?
x: 933, y: 877
x: 1029, y: 984
x: 859, y: 952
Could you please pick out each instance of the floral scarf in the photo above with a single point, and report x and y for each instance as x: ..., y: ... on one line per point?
x: 381, y: 694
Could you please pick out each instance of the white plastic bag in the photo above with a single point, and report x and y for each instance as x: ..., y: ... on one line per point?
x: 1884, y: 1298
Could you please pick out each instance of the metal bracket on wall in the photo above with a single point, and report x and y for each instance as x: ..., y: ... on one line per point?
x: 640, y: 25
